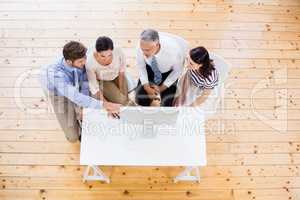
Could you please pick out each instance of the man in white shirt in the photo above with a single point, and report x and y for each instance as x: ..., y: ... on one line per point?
x: 160, y: 60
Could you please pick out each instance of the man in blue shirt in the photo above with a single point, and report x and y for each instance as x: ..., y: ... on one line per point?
x: 65, y: 83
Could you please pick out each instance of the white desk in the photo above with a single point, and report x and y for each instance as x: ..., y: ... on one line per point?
x: 111, y: 142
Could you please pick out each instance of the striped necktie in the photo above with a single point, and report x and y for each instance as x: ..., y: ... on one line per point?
x: 157, y: 73
x: 76, y: 79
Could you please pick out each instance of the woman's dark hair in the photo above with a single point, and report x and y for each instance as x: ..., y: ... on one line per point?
x: 201, y: 56
x: 74, y: 50
x: 104, y: 43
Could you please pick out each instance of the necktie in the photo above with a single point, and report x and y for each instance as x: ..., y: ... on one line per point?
x: 76, y: 79
x: 157, y: 73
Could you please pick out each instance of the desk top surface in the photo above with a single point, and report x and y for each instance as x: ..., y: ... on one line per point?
x: 113, y: 142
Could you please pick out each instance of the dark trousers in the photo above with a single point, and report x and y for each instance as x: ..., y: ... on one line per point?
x: 167, y: 96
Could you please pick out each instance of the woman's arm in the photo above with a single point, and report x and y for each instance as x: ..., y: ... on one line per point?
x: 94, y: 84
x: 122, y: 86
x: 100, y: 96
x: 202, y: 98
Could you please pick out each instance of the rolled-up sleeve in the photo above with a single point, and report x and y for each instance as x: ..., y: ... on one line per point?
x: 85, y: 89
x: 67, y: 90
x: 175, y: 74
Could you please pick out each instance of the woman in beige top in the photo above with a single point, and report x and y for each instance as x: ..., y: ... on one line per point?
x: 106, y: 72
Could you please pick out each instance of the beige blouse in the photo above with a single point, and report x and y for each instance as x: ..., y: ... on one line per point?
x: 96, y: 71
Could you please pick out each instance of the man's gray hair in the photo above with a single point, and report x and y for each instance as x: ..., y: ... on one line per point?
x: 149, y: 35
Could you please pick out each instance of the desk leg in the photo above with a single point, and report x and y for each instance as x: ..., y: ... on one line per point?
x: 186, y: 175
x: 97, y: 174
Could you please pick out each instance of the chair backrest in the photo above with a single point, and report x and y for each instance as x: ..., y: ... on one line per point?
x: 183, y: 44
x: 210, y: 106
x: 222, y: 66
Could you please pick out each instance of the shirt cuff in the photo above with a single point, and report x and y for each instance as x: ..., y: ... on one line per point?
x: 96, y: 104
x: 143, y: 81
x: 168, y: 83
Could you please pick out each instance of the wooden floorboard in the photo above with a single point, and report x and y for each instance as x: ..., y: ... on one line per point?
x: 253, y: 143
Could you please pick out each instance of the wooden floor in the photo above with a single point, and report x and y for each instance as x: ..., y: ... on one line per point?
x: 253, y: 144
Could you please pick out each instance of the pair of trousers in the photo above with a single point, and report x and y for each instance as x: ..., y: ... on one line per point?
x: 113, y: 93
x: 167, y: 96
x: 68, y: 116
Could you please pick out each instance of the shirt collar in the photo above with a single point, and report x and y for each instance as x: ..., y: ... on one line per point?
x: 155, y: 55
x: 161, y: 49
x: 67, y: 67
x: 71, y: 69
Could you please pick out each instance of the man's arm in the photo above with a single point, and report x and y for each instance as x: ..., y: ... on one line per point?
x: 69, y: 91
x: 172, y: 77
x: 141, y: 66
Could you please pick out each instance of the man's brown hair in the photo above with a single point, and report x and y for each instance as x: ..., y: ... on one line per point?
x: 74, y: 50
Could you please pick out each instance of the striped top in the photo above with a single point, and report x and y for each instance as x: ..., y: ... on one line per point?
x: 195, y: 86
x: 201, y: 82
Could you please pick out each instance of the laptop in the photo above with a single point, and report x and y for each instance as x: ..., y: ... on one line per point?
x: 148, y: 118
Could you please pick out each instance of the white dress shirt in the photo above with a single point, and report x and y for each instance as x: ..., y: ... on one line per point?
x: 172, y: 53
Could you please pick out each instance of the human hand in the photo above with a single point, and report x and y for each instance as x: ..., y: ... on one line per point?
x: 113, y: 109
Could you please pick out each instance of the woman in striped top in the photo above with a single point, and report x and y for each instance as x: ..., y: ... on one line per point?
x: 199, y: 79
